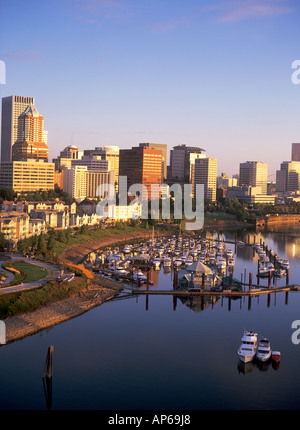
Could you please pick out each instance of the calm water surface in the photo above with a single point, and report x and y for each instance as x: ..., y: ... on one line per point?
x: 154, y: 353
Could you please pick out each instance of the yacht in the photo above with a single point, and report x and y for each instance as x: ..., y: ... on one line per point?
x: 156, y: 261
x: 167, y: 262
x: 248, y: 347
x: 285, y: 264
x: 264, y: 352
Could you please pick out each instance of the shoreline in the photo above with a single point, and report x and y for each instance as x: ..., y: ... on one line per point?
x: 95, y: 294
x: 22, y: 325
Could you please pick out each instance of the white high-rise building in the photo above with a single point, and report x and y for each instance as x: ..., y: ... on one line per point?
x: 74, y: 182
x: 205, y: 172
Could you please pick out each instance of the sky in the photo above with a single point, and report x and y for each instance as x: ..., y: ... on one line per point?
x: 215, y: 74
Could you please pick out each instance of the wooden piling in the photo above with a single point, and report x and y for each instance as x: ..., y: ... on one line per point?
x: 48, y: 369
x: 250, y: 281
x: 270, y: 279
x: 287, y: 276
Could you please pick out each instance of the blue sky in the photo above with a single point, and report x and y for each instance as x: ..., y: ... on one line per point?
x: 214, y: 74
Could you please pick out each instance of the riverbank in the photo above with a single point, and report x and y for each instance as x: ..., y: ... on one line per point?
x: 95, y: 294
x: 23, y: 325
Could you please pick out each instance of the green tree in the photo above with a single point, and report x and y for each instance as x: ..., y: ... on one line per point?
x: 41, y: 245
x: 2, y: 242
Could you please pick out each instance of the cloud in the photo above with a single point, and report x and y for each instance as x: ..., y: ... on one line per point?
x: 169, y: 24
x: 20, y: 55
x: 90, y: 11
x: 250, y: 9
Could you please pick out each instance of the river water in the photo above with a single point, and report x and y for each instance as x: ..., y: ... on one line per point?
x: 156, y: 354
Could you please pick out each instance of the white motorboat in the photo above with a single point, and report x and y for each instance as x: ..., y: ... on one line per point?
x: 221, y: 263
x: 285, y: 264
x: 248, y: 347
x: 264, y: 351
x: 156, y: 261
x: 167, y: 262
x: 121, y: 272
x: 231, y: 262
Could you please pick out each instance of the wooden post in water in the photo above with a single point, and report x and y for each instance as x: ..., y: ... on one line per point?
x: 48, y: 369
x: 270, y: 279
x: 250, y: 281
x: 287, y: 276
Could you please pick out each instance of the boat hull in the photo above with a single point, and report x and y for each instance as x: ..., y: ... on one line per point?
x: 245, y: 358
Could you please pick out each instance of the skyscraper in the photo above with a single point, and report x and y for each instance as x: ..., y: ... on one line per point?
x: 31, y: 138
x: 254, y: 174
x: 109, y: 153
x: 12, y: 107
x: 205, y: 172
x: 182, y: 160
x: 288, y: 177
x: 164, y: 148
x: 295, y: 151
x: 142, y: 165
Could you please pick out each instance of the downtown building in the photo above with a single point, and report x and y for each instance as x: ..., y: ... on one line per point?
x: 164, y: 149
x: 182, y: 162
x: 110, y: 154
x: 254, y: 174
x: 12, y: 108
x: 80, y: 182
x: 295, y: 151
x: 31, y: 140
x: 288, y: 177
x: 142, y: 165
x: 205, y: 172
x: 27, y: 176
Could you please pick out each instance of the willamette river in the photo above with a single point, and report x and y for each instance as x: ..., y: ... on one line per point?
x: 140, y: 353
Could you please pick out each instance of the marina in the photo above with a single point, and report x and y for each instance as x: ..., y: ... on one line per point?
x: 149, y: 348
x: 199, y: 266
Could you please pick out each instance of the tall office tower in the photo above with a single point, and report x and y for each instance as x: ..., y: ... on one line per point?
x: 164, y: 148
x: 254, y: 174
x: 109, y: 153
x: 182, y: 160
x: 142, y: 165
x: 71, y: 152
x: 93, y: 162
x: 288, y: 177
x: 206, y: 174
x: 295, y: 151
x: 30, y: 175
x: 12, y: 107
x: 74, y: 181
x: 98, y: 183
x: 31, y: 139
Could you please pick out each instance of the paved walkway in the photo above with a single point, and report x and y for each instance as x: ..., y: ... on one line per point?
x: 52, y: 273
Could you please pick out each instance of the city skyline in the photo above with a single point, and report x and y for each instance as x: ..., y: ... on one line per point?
x: 120, y: 73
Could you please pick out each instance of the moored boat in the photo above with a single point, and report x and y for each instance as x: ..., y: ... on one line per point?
x: 276, y: 357
x: 264, y: 349
x: 247, y: 349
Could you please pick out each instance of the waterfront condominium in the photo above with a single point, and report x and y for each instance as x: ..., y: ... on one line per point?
x: 205, y: 172
x: 142, y: 165
x: 31, y: 139
x: 12, y: 107
x: 254, y: 174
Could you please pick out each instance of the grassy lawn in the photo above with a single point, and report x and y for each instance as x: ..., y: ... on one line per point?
x: 219, y: 216
x: 26, y: 272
